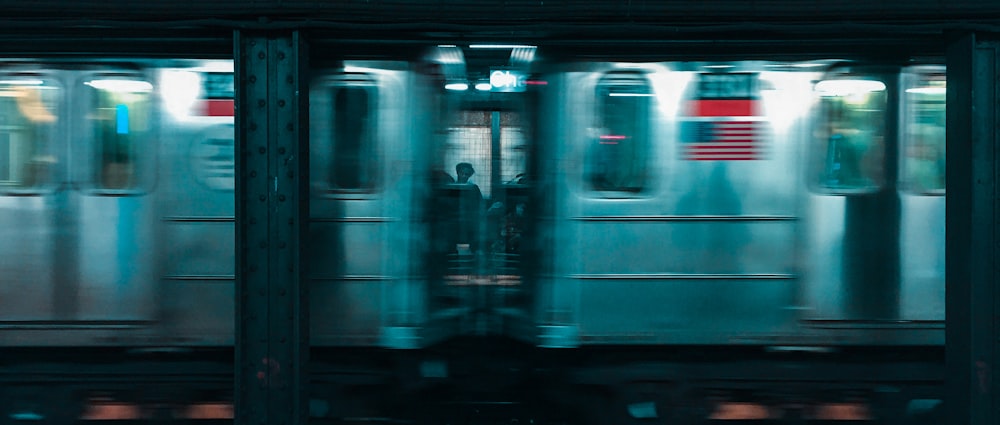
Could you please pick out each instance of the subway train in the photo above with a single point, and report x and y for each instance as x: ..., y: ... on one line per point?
x: 566, y: 206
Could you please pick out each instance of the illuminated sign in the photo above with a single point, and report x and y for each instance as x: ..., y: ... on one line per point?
x: 507, y: 81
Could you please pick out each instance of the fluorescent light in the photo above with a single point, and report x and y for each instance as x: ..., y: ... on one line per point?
x: 223, y: 66
x: 630, y: 94
x: 848, y: 87
x: 121, y: 86
x: 351, y: 69
x: 484, y: 86
x: 808, y: 65
x: 500, y: 46
x: 927, y: 90
x: 23, y: 82
x: 456, y: 86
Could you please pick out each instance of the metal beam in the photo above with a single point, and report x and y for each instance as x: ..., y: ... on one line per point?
x: 272, y: 343
x: 971, y: 330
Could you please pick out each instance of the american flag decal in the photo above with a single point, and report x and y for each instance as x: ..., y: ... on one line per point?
x: 723, y: 128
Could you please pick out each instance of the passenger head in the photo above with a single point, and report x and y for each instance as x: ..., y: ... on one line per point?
x: 464, y: 171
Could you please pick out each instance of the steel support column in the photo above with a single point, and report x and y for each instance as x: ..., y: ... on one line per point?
x: 971, y: 333
x: 272, y: 199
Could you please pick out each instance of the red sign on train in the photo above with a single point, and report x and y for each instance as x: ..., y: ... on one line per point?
x: 218, y: 90
x: 723, y: 122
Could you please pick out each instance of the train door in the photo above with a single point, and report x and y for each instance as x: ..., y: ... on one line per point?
x: 922, y: 194
x: 113, y: 148
x: 364, y: 135
x: 33, y: 219
x: 876, y: 229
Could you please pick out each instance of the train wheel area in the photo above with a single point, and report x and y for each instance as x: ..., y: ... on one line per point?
x: 489, y: 380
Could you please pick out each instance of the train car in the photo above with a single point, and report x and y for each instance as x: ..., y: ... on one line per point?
x: 81, y: 150
x: 741, y: 203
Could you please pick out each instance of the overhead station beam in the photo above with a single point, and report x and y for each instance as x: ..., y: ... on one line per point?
x: 972, y: 331
x: 272, y: 341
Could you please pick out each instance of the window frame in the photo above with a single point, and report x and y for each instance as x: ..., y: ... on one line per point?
x: 642, y: 88
x: 333, y: 83
x: 144, y: 149
x: 55, y: 143
x: 819, y: 149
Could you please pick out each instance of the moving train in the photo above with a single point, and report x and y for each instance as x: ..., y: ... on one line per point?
x: 788, y: 205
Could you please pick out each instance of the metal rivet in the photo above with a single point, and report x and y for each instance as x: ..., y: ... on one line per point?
x: 253, y: 174
x: 291, y: 174
x: 290, y: 127
x: 281, y: 103
x: 253, y: 126
x: 281, y: 198
x: 290, y: 79
x: 281, y: 55
x: 263, y: 198
x: 261, y: 55
x: 263, y: 244
x: 262, y: 150
x: 252, y: 79
x: 281, y: 151
x: 261, y: 103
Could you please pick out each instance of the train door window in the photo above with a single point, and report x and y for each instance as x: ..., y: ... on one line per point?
x: 120, y: 122
x: 923, y: 131
x: 851, y: 135
x: 29, y: 108
x: 352, y: 121
x: 619, y: 153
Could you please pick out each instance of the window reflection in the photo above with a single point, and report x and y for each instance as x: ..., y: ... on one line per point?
x: 923, y: 154
x: 28, y: 115
x: 353, y: 138
x: 851, y: 134
x: 620, y: 150
x: 121, y: 122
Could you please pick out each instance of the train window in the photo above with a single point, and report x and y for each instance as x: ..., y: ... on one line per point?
x: 619, y: 152
x: 923, y: 132
x: 28, y: 116
x: 120, y: 118
x: 851, y: 134
x: 353, y: 133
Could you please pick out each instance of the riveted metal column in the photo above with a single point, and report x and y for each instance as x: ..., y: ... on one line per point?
x: 971, y: 267
x: 272, y: 342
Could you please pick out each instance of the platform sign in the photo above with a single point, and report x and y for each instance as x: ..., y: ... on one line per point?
x: 722, y: 121
x: 507, y: 81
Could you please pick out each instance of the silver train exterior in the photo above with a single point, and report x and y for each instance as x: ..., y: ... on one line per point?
x: 778, y: 204
x: 823, y: 225
x: 117, y: 206
x: 117, y: 203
